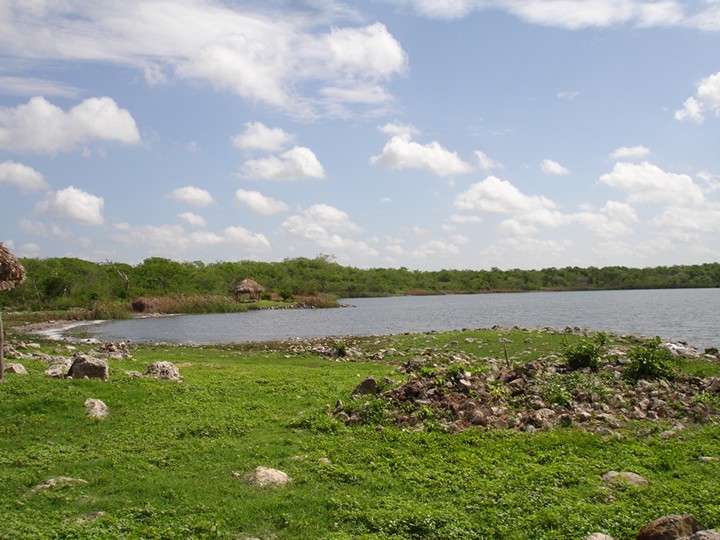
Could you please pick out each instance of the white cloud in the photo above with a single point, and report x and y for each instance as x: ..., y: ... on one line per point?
x: 648, y: 183
x: 249, y: 241
x: 369, y: 52
x: 24, y: 177
x: 192, y: 195
x: 40, y: 126
x: 578, y: 14
x: 706, y: 97
x: 630, y: 152
x: 436, y: 248
x: 498, y: 196
x: 321, y: 224
x: 568, y: 95
x: 485, y: 162
x: 402, y: 153
x: 692, y: 110
x: 678, y: 221
x: 259, y: 203
x: 192, y: 219
x: 553, y: 168
x: 28, y: 86
x: 29, y: 250
x: 74, y: 205
x: 174, y: 239
x: 297, y: 163
x: 263, y: 54
x: 257, y: 136
x: 398, y: 128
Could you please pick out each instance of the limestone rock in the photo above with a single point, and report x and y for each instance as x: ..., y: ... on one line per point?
x: 57, y: 370
x: 599, y: 536
x: 18, y: 369
x: 368, y: 386
x: 265, y: 476
x: 710, y: 534
x: 629, y: 477
x: 87, y: 366
x: 96, y: 408
x: 163, y: 369
x: 670, y: 527
x: 54, y: 482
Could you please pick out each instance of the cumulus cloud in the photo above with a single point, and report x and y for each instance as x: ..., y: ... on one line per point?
x: 403, y: 153
x: 40, y: 126
x: 322, y: 225
x: 398, y: 128
x: 553, y: 168
x: 248, y: 240
x: 497, y: 196
x: 485, y: 162
x: 257, y: 136
x: 193, y: 196
x: 21, y: 176
x: 266, y: 55
x: 630, y: 152
x: 73, y: 204
x: 297, y: 163
x: 192, y: 219
x: 259, y: 203
x: 174, y: 239
x: 707, y: 97
x: 648, y: 183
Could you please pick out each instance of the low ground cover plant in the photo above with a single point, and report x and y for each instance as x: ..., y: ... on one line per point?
x: 163, y: 463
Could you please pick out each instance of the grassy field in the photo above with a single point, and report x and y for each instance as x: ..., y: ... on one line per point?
x: 161, y: 465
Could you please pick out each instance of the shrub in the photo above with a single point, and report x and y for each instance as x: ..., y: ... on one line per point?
x: 582, y: 355
x: 651, y: 361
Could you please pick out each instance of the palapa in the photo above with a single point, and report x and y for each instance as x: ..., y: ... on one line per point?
x: 12, y: 274
x: 248, y: 289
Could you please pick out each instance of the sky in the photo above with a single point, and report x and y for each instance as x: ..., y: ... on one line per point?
x: 426, y: 134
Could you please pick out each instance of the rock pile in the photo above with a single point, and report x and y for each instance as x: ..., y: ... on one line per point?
x: 541, y: 394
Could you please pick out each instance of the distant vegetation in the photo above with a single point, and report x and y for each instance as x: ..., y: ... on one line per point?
x: 67, y: 283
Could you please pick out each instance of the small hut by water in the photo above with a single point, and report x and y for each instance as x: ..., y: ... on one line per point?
x: 12, y: 273
x: 248, y: 290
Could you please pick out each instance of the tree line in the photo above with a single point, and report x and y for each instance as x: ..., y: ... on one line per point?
x: 63, y: 283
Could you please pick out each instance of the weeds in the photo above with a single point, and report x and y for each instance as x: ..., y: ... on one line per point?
x: 651, y: 361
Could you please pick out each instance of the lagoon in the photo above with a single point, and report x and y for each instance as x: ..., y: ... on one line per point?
x: 690, y: 315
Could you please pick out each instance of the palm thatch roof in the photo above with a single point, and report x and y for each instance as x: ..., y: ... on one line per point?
x: 248, y: 288
x: 12, y: 272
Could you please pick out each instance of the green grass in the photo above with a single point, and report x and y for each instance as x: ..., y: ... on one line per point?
x: 161, y: 465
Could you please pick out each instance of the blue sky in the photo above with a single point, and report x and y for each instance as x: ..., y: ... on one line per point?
x: 386, y: 133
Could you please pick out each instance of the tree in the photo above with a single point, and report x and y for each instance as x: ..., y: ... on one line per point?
x: 12, y: 273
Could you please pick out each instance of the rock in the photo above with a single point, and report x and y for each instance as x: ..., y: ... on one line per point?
x: 709, y: 534
x: 163, y: 369
x: 96, y: 408
x: 133, y: 373
x: 629, y: 477
x: 265, y: 476
x: 17, y: 369
x: 57, y: 370
x: 709, y: 458
x: 599, y: 536
x: 670, y: 527
x: 368, y: 386
x: 54, y: 482
x: 86, y: 366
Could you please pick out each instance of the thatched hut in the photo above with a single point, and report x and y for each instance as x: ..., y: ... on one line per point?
x: 12, y: 273
x: 248, y: 290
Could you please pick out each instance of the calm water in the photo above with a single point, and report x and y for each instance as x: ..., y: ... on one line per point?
x: 691, y: 315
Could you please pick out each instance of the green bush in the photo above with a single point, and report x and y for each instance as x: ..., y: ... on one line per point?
x: 582, y: 355
x: 651, y: 361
